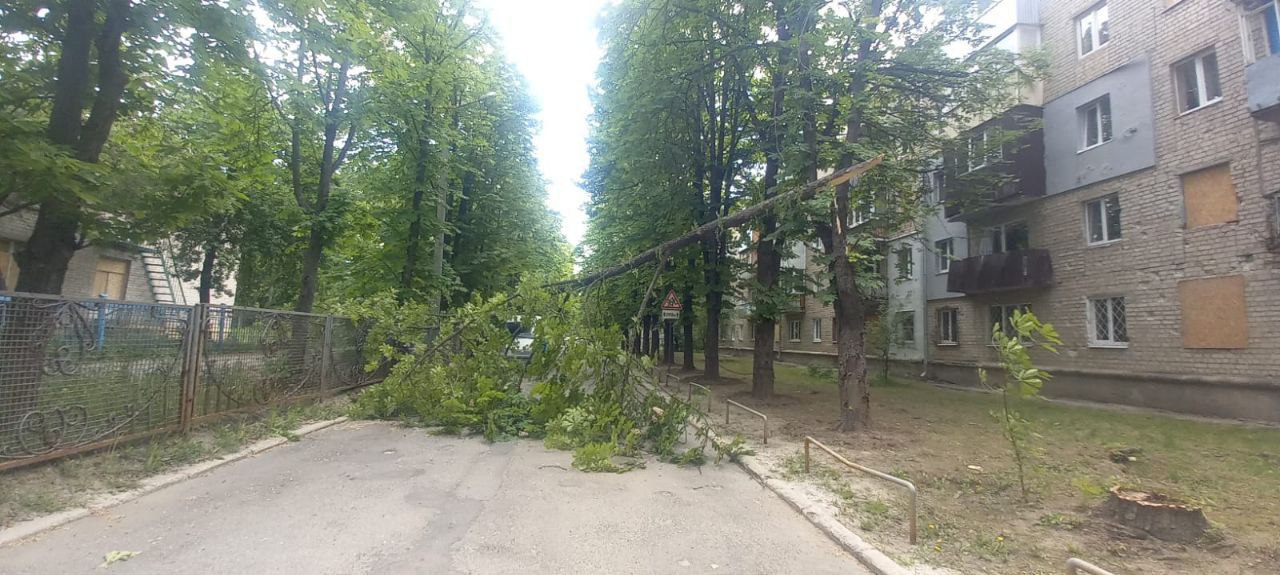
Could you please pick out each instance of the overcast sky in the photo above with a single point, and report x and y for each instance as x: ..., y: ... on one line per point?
x: 553, y: 43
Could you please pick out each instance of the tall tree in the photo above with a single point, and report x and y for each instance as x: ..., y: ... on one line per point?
x: 888, y: 86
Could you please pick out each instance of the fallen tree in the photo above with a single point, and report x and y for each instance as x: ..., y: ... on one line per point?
x: 806, y: 192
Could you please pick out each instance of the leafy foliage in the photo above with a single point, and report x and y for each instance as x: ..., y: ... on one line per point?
x: 584, y: 393
x: 1021, y: 377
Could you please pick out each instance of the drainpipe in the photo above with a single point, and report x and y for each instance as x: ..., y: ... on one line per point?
x: 924, y: 297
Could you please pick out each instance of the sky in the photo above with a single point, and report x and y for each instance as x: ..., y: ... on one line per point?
x: 553, y: 44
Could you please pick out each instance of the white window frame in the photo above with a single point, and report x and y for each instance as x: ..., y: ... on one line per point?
x: 862, y: 214
x: 817, y: 329
x: 985, y: 152
x: 907, y: 270
x: 1106, y: 228
x: 944, y: 254
x: 1202, y: 86
x: 1090, y: 17
x: 934, y: 182
x: 793, y: 330
x: 948, y: 331
x: 1091, y: 319
x: 1274, y: 7
x: 1104, y: 135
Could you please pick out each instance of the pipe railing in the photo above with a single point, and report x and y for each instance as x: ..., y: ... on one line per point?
x: 1076, y: 566
x: 730, y: 403
x: 704, y: 388
x: 910, y: 487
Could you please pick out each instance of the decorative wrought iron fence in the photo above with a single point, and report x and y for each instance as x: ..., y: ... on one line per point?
x: 76, y: 375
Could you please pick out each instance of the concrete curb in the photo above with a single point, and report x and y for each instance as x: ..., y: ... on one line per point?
x: 31, y: 527
x: 817, y: 514
x: 864, y: 552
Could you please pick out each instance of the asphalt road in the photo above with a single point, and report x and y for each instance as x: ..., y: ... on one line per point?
x: 377, y: 498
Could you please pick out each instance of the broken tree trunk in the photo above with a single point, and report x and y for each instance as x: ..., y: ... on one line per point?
x: 709, y: 229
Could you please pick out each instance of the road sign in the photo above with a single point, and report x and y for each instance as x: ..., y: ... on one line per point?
x: 672, y: 302
x: 670, y: 314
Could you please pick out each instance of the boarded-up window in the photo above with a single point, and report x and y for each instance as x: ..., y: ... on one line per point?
x: 8, y: 265
x: 1209, y: 196
x: 1213, y: 313
x: 111, y: 278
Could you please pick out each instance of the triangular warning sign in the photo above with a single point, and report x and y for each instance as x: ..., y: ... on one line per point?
x: 672, y: 301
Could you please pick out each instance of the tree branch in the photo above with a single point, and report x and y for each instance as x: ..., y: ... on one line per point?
x: 710, y: 229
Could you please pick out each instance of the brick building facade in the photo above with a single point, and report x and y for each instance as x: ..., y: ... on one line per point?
x: 1152, y: 243
x: 117, y: 270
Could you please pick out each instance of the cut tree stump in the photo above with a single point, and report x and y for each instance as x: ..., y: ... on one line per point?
x: 1158, y: 515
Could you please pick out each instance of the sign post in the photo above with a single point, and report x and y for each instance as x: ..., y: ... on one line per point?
x: 671, y: 308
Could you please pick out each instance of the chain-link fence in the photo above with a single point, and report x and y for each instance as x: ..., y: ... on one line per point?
x: 80, y: 374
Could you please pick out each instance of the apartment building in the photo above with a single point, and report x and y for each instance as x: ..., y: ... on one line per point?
x: 1141, y: 217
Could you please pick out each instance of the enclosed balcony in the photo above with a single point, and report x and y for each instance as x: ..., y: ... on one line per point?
x: 997, y: 163
x: 1007, y: 271
x: 1262, y: 82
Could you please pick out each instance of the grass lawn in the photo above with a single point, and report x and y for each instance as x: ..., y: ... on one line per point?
x: 972, y: 514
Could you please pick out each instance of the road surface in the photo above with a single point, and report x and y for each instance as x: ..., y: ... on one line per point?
x: 377, y: 498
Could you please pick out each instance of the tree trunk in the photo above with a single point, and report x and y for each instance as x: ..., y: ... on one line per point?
x: 654, y: 324
x: 413, y: 245
x: 206, y: 272
x: 855, y: 391
x: 53, y: 242
x: 686, y: 331
x: 319, y: 226
x: 645, y: 325
x: 668, y: 352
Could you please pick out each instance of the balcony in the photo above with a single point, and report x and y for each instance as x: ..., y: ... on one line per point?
x: 1012, y: 169
x: 1262, y: 82
x: 1022, y: 269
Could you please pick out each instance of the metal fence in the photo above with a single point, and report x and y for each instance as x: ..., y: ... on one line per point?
x: 76, y: 375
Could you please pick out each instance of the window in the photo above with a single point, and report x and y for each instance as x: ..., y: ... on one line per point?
x: 1271, y: 21
x: 984, y: 148
x: 8, y: 265
x: 906, y: 326
x: 945, y: 250
x: 906, y: 262
x: 1007, y: 238
x: 1209, y: 197
x: 1102, y: 217
x: 949, y: 326
x: 111, y: 278
x: 1275, y: 216
x: 817, y: 329
x: 862, y: 214
x: 933, y: 184
x: 1095, y: 123
x: 1002, y: 315
x: 1214, y: 315
x: 1196, y: 81
x: 1093, y: 29
x: 1107, y: 326
x: 793, y: 330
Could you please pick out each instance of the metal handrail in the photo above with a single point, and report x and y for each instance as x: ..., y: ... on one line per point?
x: 689, y: 399
x: 729, y: 402
x: 911, y: 487
x: 1076, y: 566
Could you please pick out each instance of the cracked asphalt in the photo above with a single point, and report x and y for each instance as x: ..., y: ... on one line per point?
x: 366, y: 497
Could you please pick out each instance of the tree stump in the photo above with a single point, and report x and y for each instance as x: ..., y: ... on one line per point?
x: 1157, y: 515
